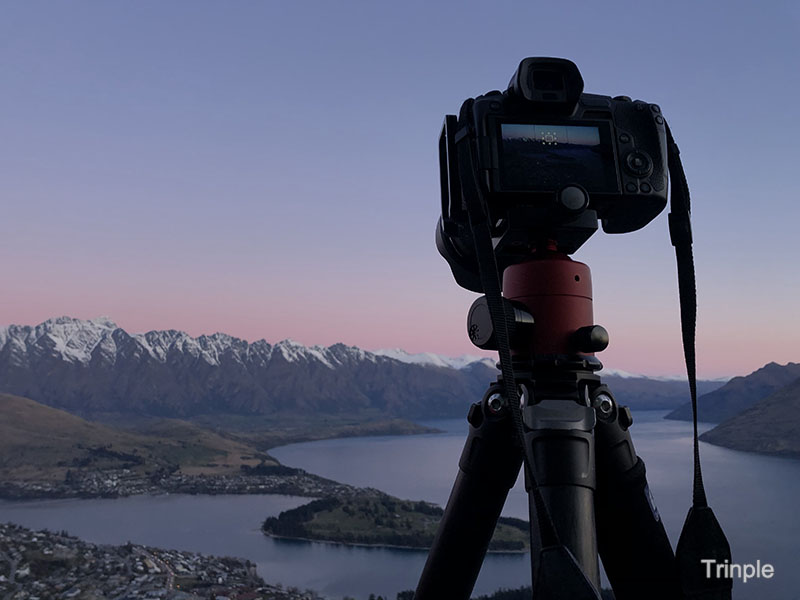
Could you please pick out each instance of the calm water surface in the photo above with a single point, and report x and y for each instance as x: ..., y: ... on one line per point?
x: 755, y: 498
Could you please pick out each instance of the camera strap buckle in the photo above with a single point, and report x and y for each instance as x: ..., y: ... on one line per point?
x: 680, y: 229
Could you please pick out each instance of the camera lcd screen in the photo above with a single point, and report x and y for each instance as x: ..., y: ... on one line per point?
x: 538, y: 157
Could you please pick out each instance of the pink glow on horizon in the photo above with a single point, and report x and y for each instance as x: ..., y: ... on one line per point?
x: 367, y: 310
x: 716, y: 357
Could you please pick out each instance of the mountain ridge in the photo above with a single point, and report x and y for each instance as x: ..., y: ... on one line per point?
x: 739, y: 394
x: 94, y: 366
x: 770, y: 426
x: 91, y: 367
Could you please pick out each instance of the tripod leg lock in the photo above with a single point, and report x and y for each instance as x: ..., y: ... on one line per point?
x: 561, y: 436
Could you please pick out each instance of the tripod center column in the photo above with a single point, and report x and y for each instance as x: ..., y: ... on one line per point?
x: 557, y: 291
x: 558, y: 424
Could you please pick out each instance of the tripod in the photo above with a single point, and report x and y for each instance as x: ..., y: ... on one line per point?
x: 592, y: 483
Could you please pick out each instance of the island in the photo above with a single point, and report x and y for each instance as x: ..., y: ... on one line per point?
x: 374, y: 518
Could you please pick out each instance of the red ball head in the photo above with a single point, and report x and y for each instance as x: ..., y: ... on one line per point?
x: 557, y: 291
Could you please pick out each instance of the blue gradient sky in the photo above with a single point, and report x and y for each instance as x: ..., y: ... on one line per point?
x: 269, y: 169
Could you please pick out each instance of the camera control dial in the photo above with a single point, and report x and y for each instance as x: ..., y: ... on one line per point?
x: 638, y: 163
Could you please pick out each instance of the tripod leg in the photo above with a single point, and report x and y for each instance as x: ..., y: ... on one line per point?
x: 560, y: 435
x: 632, y: 542
x: 488, y: 468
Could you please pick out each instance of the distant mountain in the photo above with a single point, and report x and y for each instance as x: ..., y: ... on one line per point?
x: 651, y: 393
x: 89, y: 367
x: 739, y: 394
x: 436, y: 360
x: 771, y: 426
x: 92, y: 368
x: 637, y: 391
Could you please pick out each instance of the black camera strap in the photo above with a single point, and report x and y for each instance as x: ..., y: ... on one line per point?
x: 478, y: 215
x: 702, y: 538
x: 558, y: 575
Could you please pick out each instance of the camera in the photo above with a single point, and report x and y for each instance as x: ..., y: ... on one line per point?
x: 550, y: 161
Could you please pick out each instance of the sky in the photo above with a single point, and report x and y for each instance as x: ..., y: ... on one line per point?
x: 270, y: 169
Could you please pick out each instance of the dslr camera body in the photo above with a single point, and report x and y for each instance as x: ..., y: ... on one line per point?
x: 549, y: 161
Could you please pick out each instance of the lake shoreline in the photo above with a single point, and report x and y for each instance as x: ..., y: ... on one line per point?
x: 121, y: 484
x: 139, y: 569
x: 380, y: 546
x: 80, y: 483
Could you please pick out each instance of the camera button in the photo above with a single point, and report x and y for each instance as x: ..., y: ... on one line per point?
x: 659, y: 119
x: 631, y: 187
x: 655, y: 108
x: 624, y: 138
x: 638, y: 163
x: 573, y: 199
x: 645, y: 188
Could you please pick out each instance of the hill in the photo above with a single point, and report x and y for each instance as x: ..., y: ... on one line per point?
x: 771, y: 426
x: 42, y: 443
x: 739, y: 394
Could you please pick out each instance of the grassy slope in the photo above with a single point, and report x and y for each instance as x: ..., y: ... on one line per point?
x: 39, y: 442
x: 278, y: 429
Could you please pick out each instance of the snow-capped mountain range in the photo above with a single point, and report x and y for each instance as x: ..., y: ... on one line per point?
x: 94, y: 366
x: 76, y: 340
x: 459, y: 362
x: 436, y: 360
x: 84, y: 341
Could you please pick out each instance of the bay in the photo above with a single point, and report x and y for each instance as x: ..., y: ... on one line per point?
x: 753, y: 496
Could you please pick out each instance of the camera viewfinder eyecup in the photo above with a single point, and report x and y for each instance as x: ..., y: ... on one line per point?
x: 550, y: 84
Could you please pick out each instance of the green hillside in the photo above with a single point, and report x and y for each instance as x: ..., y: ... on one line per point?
x: 38, y: 442
x: 381, y: 520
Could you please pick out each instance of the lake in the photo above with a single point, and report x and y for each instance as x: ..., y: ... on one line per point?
x: 754, y: 497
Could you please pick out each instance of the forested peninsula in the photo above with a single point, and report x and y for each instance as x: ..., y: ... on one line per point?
x: 378, y: 519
